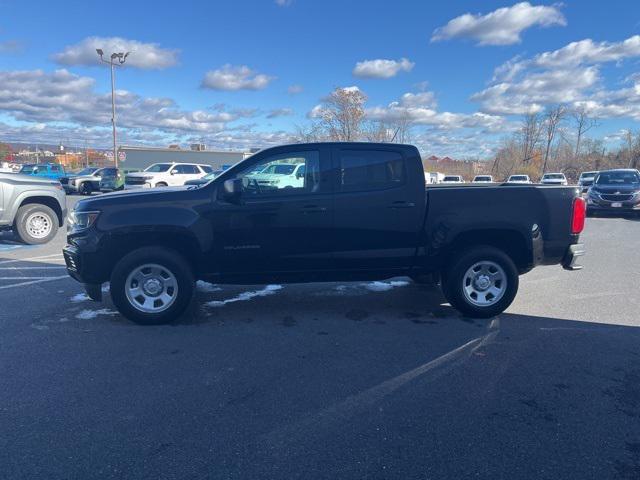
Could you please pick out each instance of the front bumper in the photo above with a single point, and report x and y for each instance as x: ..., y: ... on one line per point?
x: 598, y: 205
x: 574, y: 252
x: 136, y: 186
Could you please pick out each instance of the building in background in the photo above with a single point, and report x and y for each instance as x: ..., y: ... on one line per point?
x: 141, y: 157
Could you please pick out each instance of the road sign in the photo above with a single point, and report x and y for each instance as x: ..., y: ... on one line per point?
x: 122, y: 156
x: 109, y: 155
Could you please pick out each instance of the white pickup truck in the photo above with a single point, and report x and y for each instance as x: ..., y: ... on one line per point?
x: 280, y: 175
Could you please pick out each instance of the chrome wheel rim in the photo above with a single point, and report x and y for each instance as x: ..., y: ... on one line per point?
x: 151, y: 288
x: 484, y: 284
x: 38, y: 225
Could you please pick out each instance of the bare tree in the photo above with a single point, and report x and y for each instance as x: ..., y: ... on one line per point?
x: 552, y: 120
x: 341, y: 114
x: 583, y: 123
x: 530, y: 133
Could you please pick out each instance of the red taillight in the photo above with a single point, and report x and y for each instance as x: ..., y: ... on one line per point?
x: 579, y: 214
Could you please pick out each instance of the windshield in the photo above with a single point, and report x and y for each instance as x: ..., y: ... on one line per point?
x: 109, y: 172
x: 279, y: 169
x: 159, y: 167
x: 483, y: 179
x: 518, y: 178
x: 618, y: 178
x: 554, y: 176
x: 588, y: 174
x: 86, y: 171
x: 451, y: 179
x: 27, y: 169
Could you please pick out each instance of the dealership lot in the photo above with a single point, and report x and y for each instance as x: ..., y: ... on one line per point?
x: 335, y: 380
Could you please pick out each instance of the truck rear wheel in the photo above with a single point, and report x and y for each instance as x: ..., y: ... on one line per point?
x: 152, y: 285
x: 35, y: 224
x: 481, y: 283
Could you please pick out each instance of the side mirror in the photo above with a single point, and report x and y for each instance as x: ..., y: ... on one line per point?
x: 232, y: 190
x: 300, y: 174
x: 172, y: 172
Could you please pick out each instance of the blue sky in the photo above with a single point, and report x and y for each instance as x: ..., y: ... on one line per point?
x: 237, y: 74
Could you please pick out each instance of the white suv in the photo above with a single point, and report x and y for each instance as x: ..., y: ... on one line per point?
x: 554, y: 179
x: 166, y: 175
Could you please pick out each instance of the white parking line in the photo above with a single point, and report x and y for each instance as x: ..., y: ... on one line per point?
x: 33, y: 282
x: 43, y: 257
x: 22, y: 278
x: 33, y: 268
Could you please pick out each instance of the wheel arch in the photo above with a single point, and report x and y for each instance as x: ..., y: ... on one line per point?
x: 47, y: 200
x: 510, y: 241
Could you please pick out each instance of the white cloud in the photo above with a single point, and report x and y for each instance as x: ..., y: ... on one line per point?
x: 143, y: 55
x: 235, y: 77
x: 382, y: 68
x: 420, y: 109
x: 279, y: 112
x: 569, y: 75
x: 11, y: 46
x: 295, y: 89
x: 502, y: 26
x: 283, y: 3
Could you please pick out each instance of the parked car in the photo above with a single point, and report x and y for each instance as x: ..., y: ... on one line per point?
x: 452, y: 179
x: 586, y: 180
x: 615, y: 191
x: 52, y: 171
x: 206, y: 179
x: 84, y: 182
x: 359, y: 213
x: 113, y: 179
x: 280, y: 175
x: 166, y: 175
x: 519, y: 179
x: 554, y: 179
x: 483, y: 179
x: 34, y: 208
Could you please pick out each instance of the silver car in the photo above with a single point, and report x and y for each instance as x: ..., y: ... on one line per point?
x: 34, y: 208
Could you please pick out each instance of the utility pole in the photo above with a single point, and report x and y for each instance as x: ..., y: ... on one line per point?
x: 115, y: 60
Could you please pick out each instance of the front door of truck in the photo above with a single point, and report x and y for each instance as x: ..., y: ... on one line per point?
x: 276, y: 226
x: 378, y: 211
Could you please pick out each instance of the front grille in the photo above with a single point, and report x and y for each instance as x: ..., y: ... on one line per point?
x: 135, y: 180
x: 616, y: 197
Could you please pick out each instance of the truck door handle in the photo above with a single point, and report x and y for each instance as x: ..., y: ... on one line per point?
x: 313, y: 209
x: 402, y: 204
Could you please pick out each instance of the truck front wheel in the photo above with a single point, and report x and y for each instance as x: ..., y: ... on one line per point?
x: 36, y: 224
x: 481, y: 283
x: 152, y: 285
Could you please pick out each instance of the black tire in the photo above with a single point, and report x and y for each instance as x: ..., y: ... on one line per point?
x: 85, y: 188
x: 169, y: 260
x: 26, y: 233
x: 161, y: 184
x: 453, y: 281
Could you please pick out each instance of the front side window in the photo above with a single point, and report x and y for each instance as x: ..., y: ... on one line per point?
x: 362, y: 170
x: 206, y: 168
x: 283, y: 174
x: 158, y: 167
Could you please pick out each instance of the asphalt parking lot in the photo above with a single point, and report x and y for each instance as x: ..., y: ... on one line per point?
x: 350, y: 380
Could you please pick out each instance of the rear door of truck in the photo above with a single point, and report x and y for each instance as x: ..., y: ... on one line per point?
x: 379, y: 206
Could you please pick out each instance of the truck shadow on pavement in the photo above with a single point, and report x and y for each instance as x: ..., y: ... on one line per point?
x: 347, y: 380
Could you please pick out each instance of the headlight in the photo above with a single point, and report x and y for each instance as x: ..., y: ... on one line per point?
x: 81, y: 220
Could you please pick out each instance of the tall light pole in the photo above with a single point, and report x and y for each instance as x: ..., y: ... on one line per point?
x: 116, y: 60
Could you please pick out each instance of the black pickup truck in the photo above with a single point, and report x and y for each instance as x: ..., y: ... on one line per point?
x: 321, y: 212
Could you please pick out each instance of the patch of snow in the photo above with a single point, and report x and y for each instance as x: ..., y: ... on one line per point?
x: 91, y: 314
x: 268, y: 290
x: 207, y: 287
x: 80, y: 297
x: 385, y: 286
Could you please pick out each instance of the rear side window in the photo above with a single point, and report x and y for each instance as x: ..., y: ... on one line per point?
x: 370, y: 170
x: 186, y: 169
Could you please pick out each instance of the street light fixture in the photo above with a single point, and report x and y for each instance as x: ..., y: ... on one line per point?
x: 117, y: 59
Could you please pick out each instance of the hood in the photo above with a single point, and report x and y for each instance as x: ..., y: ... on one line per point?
x: 630, y: 188
x: 165, y: 194
x: 22, y: 179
